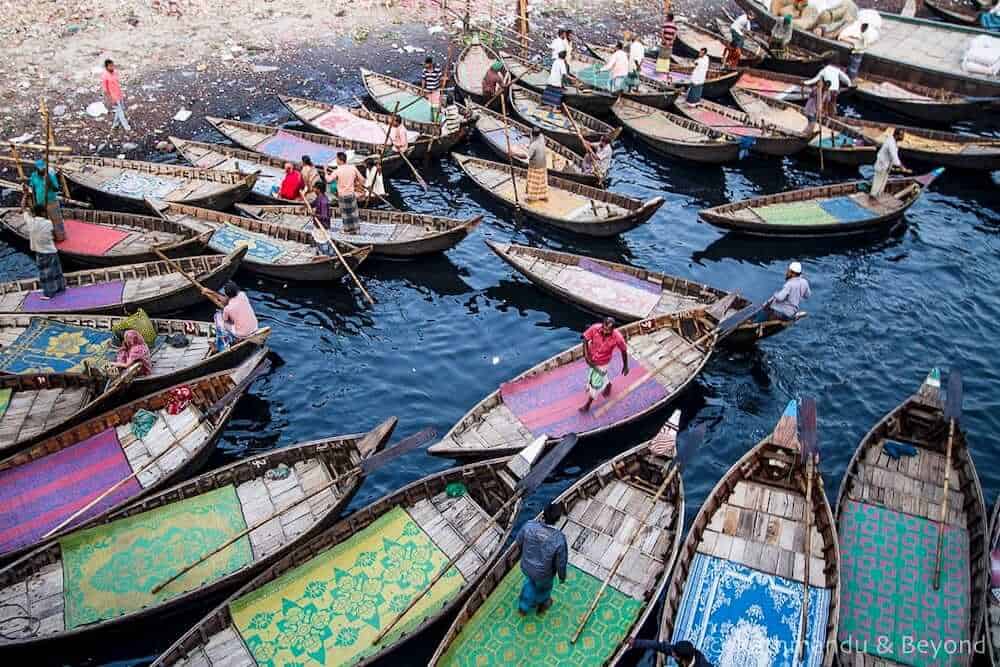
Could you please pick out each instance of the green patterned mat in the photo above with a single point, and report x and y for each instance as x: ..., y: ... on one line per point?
x: 795, y: 213
x: 109, y: 570
x: 418, y: 111
x: 329, y: 610
x: 5, y: 396
x: 498, y: 635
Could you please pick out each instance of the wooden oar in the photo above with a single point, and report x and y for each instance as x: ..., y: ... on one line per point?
x: 953, y: 412
x: 807, y: 443
x: 687, y: 442
x: 416, y: 174
x: 724, y: 328
x: 368, y: 465
x: 584, y: 142
x: 343, y: 261
x: 207, y: 293
x: 510, y: 156
x: 214, y: 409
x: 525, y: 487
x: 820, y: 103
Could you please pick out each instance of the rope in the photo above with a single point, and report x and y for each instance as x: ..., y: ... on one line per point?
x: 23, y: 616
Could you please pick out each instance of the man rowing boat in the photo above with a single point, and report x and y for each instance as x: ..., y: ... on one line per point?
x: 599, y: 344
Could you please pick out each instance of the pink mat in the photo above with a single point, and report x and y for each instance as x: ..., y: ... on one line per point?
x: 86, y: 238
x: 549, y: 403
x: 768, y: 87
x: 622, y: 297
x: 342, y: 123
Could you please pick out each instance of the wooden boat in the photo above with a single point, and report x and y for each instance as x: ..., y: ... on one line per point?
x: 399, y: 544
x: 738, y: 586
x: 692, y: 38
x: 100, y: 465
x: 841, y: 143
x: 360, y: 124
x: 794, y: 60
x: 527, y: 105
x: 495, y: 131
x: 533, y: 77
x: 841, y: 209
x: 570, y: 206
x: 36, y: 406
x: 992, y: 629
x: 901, y: 499
x: 470, y: 69
x: 933, y: 105
x: 909, y: 50
x: 627, y: 293
x: 388, y: 92
x: 107, y: 238
x: 156, y: 287
x: 648, y: 91
x: 387, y: 233
x: 785, y: 87
x: 956, y: 11
x: 603, y: 510
x: 291, y: 145
x: 274, y: 251
x: 269, y: 171
x: 717, y: 83
x: 948, y: 149
x: 676, y: 136
x: 545, y: 399
x: 765, y: 138
x: 126, y: 184
x: 81, y: 343
x: 74, y: 599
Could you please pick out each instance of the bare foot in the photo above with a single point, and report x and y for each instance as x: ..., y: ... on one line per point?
x: 544, y: 607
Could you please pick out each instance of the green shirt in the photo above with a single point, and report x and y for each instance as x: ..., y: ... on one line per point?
x: 37, y: 182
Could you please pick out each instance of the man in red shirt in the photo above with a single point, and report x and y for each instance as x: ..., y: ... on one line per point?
x: 113, y: 96
x: 292, y: 184
x: 599, y: 344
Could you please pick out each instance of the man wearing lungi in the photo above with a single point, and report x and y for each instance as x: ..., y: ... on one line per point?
x: 347, y: 177
x: 599, y: 344
x: 544, y: 555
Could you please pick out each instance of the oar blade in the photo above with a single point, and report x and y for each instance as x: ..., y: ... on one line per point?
x: 729, y: 324
x: 807, y: 428
x: 405, y: 445
x: 549, y: 462
x: 953, y: 399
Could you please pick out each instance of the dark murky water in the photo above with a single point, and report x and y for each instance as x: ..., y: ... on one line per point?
x: 447, y: 330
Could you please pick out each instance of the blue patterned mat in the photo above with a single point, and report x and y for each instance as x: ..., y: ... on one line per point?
x: 228, y: 238
x: 739, y: 616
x: 846, y: 209
x: 50, y: 346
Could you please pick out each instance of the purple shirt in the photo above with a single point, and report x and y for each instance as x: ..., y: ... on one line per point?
x: 321, y: 207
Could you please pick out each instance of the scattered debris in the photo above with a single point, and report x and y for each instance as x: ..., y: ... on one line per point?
x: 182, y: 115
x: 96, y: 110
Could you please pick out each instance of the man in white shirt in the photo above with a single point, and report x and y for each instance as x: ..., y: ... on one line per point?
x: 636, y: 54
x: 553, y: 94
x: 738, y: 28
x: 618, y: 68
x: 698, y: 76
x: 558, y: 45
x: 42, y: 241
x: 887, y: 158
x: 833, y: 76
x: 860, y: 44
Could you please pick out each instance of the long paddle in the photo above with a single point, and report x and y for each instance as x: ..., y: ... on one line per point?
x: 207, y: 293
x: 368, y: 465
x: 724, y: 328
x: 687, y: 443
x: 583, y: 142
x: 510, y: 156
x: 820, y: 103
x: 214, y: 409
x: 810, y: 453
x: 333, y: 244
x: 525, y: 487
x: 953, y: 412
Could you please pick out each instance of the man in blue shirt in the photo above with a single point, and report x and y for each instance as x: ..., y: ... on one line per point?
x: 47, y: 195
x: 544, y: 555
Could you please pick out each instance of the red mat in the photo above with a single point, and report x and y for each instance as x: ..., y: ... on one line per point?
x: 87, y: 238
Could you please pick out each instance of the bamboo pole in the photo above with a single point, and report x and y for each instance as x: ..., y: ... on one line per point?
x: 343, y: 261
x: 510, y: 154
x: 207, y: 293
x: 807, y: 512
x: 944, y: 504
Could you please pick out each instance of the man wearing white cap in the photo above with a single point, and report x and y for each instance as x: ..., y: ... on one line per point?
x: 784, y: 304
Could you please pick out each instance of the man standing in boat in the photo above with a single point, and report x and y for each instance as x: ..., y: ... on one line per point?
x: 698, y: 76
x: 667, y: 36
x: 784, y: 304
x: 860, y: 42
x: 833, y: 77
x: 599, y: 344
x: 45, y: 189
x: 683, y: 651
x: 544, y: 555
x: 887, y: 159
x: 781, y: 35
x: 430, y: 81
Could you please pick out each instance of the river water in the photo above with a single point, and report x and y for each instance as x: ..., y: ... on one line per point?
x: 448, y: 330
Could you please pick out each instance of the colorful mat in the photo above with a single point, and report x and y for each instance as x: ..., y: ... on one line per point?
x: 498, y: 137
x: 548, y: 403
x: 76, y: 299
x: 888, y: 598
x: 776, y: 89
x: 53, y: 347
x: 368, y: 232
x: 228, y: 238
x: 546, y: 119
x: 110, y: 570
x: 38, y: 496
x: 86, y: 238
x: 723, y: 123
x: 619, y: 276
x: 835, y: 140
x: 593, y: 76
x: 5, y: 396
x: 648, y: 69
x: 329, y: 610
x: 137, y: 185
x: 413, y: 107
x: 739, y: 616
x: 822, y: 212
x: 845, y: 209
x: 613, y: 294
x: 340, y: 122
x: 290, y: 147
x: 498, y: 635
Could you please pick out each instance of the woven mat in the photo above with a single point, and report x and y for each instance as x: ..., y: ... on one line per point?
x: 548, y: 403
x: 86, y: 238
x: 53, y: 347
x: 412, y: 107
x: 713, y: 118
x: 770, y: 87
x: 612, y: 294
x: 369, y: 232
x: 260, y: 248
x: 593, y: 76
x: 74, y: 299
x: 38, y: 496
x: 329, y: 610
x: 886, y: 581
x: 846, y: 209
x: 137, y: 185
x: 110, y: 570
x: 498, y: 635
x: 285, y: 146
x: 340, y: 122
x: 795, y: 213
x: 739, y: 616
x: 5, y: 396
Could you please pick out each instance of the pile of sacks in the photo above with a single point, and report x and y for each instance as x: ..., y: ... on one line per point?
x: 982, y: 56
x: 852, y: 32
x: 825, y: 18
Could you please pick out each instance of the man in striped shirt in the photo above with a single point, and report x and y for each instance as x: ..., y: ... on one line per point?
x: 667, y: 37
x: 431, y: 82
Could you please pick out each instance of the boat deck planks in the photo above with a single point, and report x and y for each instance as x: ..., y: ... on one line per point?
x: 32, y: 412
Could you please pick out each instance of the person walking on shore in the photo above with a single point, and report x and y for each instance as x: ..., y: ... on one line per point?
x: 544, y: 555
x: 113, y: 97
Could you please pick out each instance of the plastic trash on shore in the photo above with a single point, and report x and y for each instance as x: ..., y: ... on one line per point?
x: 96, y: 110
x: 182, y: 115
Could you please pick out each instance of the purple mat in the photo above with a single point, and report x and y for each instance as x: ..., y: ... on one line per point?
x: 620, y: 276
x: 549, y: 403
x: 287, y: 146
x: 76, y: 299
x: 38, y: 496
